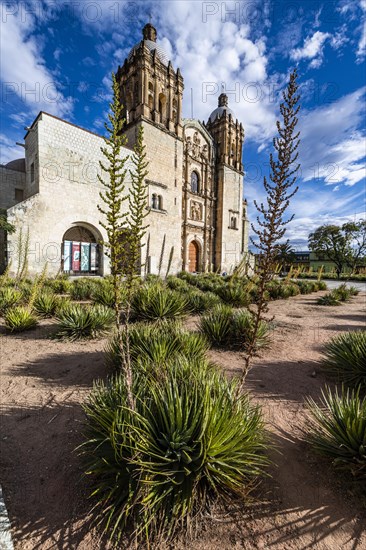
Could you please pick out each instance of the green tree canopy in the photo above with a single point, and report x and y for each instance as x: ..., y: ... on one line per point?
x: 344, y: 245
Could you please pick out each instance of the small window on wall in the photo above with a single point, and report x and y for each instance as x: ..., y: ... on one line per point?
x: 233, y: 223
x: 194, y: 182
x: 18, y: 195
x: 156, y: 202
x: 32, y: 172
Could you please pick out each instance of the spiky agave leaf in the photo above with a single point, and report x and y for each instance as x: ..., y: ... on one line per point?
x: 338, y: 430
x: 345, y: 358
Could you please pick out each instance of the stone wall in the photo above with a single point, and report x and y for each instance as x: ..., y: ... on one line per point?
x: 163, y: 237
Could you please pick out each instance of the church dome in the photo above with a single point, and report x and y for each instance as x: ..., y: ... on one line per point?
x: 219, y: 111
x: 149, y: 40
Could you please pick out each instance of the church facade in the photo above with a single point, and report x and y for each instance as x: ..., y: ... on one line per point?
x: 196, y: 213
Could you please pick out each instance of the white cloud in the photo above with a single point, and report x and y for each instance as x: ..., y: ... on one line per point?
x: 361, y: 49
x: 332, y: 147
x: 23, y: 69
x: 8, y: 149
x: 312, y: 49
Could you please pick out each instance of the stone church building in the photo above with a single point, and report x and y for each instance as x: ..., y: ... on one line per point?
x: 197, y: 216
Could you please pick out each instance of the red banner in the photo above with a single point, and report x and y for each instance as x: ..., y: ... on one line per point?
x: 76, y: 256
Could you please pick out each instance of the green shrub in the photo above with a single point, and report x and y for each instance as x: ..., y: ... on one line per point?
x: 156, y: 303
x: 345, y: 358
x: 328, y: 300
x: 353, y: 291
x: 242, y: 329
x: 78, y: 321
x: 199, y: 301
x: 189, y: 442
x: 234, y: 295
x: 46, y: 304
x: 9, y: 297
x: 83, y: 289
x: 322, y: 285
x: 337, y: 430
x: 19, y: 319
x: 59, y: 285
x: 104, y: 294
x: 342, y: 293
x: 224, y: 327
x: 158, y: 344
x: 216, y: 325
x: 175, y: 283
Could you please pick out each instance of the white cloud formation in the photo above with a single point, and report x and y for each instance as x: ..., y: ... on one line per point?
x: 312, y: 49
x: 332, y: 146
x: 361, y: 49
x: 23, y: 70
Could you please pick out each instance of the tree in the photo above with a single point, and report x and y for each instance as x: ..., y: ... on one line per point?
x: 4, y: 224
x: 343, y: 245
x: 271, y: 224
x: 124, y: 229
x: 285, y: 254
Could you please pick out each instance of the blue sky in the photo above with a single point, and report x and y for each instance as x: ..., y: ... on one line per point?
x: 57, y: 56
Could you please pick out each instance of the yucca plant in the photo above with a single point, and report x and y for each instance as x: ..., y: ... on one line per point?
x: 82, y: 289
x: 156, y: 303
x: 242, y: 330
x: 353, y: 291
x: 59, y: 285
x: 20, y: 319
x: 342, y: 293
x: 104, y: 294
x: 337, y: 430
x: 78, y: 321
x: 46, y: 304
x: 216, y: 325
x: 176, y: 283
x: 199, y: 301
x: 345, y: 358
x: 188, y: 442
x: 328, y: 300
x: 9, y: 297
x: 158, y: 344
x: 234, y: 294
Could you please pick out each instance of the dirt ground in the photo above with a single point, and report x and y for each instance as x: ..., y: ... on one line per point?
x: 302, y: 505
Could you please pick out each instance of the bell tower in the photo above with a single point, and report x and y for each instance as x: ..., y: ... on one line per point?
x: 150, y: 88
x: 228, y: 135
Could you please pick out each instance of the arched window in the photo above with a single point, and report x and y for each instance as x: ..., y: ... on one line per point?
x: 160, y: 202
x: 194, y: 182
x: 162, y: 108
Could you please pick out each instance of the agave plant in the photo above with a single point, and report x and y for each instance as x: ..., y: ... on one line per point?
x: 328, y: 300
x: 152, y: 346
x: 338, y: 430
x: 156, y: 303
x: 342, y: 293
x: 216, y: 325
x: 104, y: 294
x: 78, y: 321
x: 189, y: 441
x: 83, y: 289
x: 9, y: 297
x: 46, y: 304
x: 345, y: 358
x: 242, y: 328
x: 234, y: 295
x: 19, y: 319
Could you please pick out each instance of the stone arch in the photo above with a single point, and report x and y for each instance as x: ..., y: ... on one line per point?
x: 81, y: 250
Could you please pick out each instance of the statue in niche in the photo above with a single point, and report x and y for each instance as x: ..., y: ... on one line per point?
x: 196, y: 211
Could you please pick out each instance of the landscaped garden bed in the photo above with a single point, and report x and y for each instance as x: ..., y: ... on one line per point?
x: 45, y: 382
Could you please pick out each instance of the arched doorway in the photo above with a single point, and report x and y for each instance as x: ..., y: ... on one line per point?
x: 81, y: 253
x: 193, y: 257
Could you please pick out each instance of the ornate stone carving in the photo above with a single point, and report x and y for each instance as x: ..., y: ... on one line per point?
x: 196, y: 211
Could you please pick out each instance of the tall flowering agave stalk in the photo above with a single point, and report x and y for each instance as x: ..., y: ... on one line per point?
x: 271, y: 225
